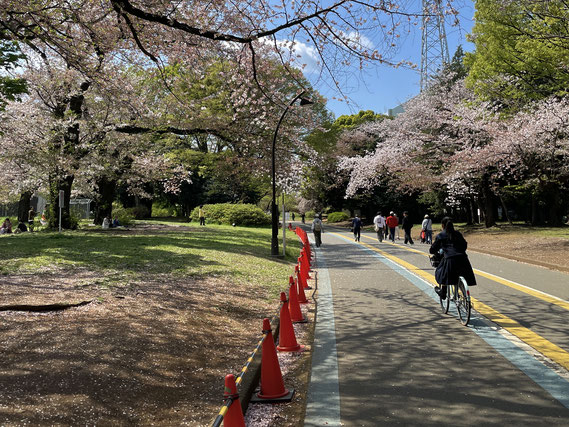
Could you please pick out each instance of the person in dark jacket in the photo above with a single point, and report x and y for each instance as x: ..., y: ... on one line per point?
x: 455, y: 262
x: 357, y: 227
x: 406, y: 225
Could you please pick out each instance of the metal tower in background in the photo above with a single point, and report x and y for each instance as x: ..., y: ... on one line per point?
x: 434, y: 47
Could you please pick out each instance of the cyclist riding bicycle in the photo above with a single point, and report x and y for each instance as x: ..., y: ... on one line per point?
x: 455, y: 262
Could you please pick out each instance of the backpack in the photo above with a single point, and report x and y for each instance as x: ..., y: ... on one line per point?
x: 317, y: 225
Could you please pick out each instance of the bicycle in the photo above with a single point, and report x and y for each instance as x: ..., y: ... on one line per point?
x: 459, y: 294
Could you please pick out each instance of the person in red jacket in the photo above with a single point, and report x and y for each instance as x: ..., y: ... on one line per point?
x: 391, y: 222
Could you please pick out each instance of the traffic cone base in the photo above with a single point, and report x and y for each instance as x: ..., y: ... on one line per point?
x: 294, y: 349
x: 303, y: 320
x: 259, y: 398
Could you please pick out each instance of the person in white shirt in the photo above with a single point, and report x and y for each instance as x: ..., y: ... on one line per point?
x: 427, y: 227
x: 379, y: 226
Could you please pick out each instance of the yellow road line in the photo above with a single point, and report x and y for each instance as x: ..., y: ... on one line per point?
x: 545, y: 347
x: 533, y: 292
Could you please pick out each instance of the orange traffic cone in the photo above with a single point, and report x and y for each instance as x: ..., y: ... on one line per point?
x: 272, y: 384
x: 294, y: 306
x: 305, y: 257
x: 287, y: 339
x: 301, y: 282
x: 301, y: 295
x: 303, y: 274
x: 234, y: 415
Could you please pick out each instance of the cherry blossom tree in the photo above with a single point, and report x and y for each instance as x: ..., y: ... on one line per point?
x: 424, y: 149
x: 183, y: 42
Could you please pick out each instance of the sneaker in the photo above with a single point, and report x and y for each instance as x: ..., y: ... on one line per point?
x: 440, y: 292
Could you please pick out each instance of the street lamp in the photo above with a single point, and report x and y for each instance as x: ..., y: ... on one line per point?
x: 274, y: 210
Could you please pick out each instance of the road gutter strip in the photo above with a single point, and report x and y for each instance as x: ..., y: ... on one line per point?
x: 323, y: 401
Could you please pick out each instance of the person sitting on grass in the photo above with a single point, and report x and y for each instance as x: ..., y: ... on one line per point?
x: 106, y: 223
x: 6, y: 226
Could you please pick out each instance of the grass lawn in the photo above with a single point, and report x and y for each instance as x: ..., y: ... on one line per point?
x: 121, y: 256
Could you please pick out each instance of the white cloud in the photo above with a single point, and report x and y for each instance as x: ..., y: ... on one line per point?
x: 304, y: 56
x: 360, y: 40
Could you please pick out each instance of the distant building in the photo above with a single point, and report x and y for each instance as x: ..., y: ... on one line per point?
x: 394, y: 112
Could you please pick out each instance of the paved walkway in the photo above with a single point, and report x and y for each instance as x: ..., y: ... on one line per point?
x: 384, y: 354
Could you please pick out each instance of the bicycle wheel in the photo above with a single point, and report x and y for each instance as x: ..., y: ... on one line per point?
x: 462, y: 302
x: 445, y: 303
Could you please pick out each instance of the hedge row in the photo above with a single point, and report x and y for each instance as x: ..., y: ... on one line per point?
x: 338, y: 216
x: 228, y: 213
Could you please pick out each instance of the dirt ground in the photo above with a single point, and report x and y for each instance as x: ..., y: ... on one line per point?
x: 156, y: 353
x: 550, y: 252
x: 153, y: 355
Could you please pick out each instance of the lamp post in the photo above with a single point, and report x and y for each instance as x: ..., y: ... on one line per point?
x: 274, y: 209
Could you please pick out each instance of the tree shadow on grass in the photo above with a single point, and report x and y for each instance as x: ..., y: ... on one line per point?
x: 152, y: 252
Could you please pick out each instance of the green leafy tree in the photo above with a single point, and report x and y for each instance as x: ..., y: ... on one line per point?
x: 522, y: 51
x: 323, y: 182
x: 10, y: 87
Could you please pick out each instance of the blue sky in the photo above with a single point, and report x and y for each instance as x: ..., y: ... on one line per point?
x: 382, y: 87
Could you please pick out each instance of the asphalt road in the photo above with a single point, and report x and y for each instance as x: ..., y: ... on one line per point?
x: 385, y: 354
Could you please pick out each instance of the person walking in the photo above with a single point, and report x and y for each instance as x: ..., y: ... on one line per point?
x: 392, y: 223
x: 397, y: 228
x: 317, y: 230
x: 201, y: 214
x: 427, y: 228
x: 455, y: 262
x: 379, y: 226
x: 357, y: 227
x: 406, y: 224
x: 303, y: 217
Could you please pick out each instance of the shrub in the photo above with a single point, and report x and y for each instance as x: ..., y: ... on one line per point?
x: 139, y: 212
x: 227, y: 213
x: 162, y: 211
x: 123, y: 215
x: 338, y: 216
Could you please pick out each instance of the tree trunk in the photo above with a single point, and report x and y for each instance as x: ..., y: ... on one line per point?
x: 552, y: 196
x: 469, y: 213
x: 57, y: 184
x: 24, y: 206
x: 104, y: 199
x: 533, y: 210
x: 505, y: 210
x: 489, y: 203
